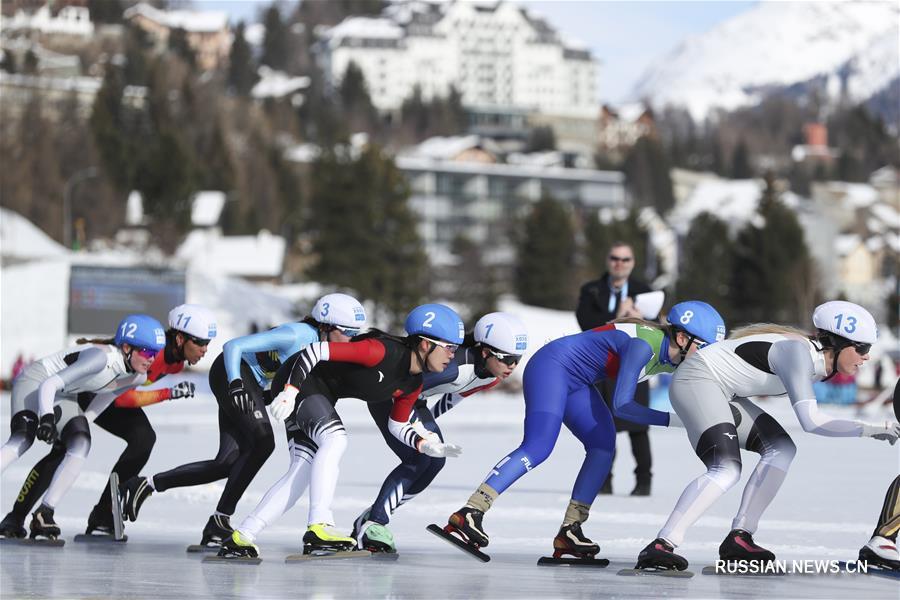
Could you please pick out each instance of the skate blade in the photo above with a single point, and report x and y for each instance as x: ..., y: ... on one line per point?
x: 655, y: 573
x: 90, y: 538
x: 321, y: 554
x: 385, y: 556
x: 467, y: 548
x: 237, y: 560
x: 853, y: 569
x: 45, y: 542
x: 199, y: 548
x: 116, y: 508
x: 751, y: 571
x: 549, y: 561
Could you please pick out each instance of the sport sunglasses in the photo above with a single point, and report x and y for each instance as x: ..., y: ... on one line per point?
x: 445, y: 345
x: 147, y: 353
x: 197, y: 341
x: 349, y: 331
x: 507, y: 359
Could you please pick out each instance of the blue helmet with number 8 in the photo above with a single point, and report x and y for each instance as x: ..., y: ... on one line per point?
x: 698, y: 319
x: 847, y: 320
x: 141, y: 331
x: 436, y: 321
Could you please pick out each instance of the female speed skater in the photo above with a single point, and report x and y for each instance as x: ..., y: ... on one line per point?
x: 485, y: 358
x: 558, y: 389
x: 49, y: 387
x: 240, y: 379
x: 709, y: 394
x: 191, y: 327
x: 376, y: 368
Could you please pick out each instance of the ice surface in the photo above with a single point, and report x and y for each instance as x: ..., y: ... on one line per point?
x: 826, y: 510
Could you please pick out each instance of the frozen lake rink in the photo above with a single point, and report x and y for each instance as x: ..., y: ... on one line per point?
x: 826, y: 510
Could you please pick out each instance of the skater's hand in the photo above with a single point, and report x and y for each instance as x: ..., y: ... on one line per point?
x: 438, y: 449
x: 185, y: 389
x: 283, y: 404
x: 888, y: 431
x: 240, y: 398
x: 46, y: 431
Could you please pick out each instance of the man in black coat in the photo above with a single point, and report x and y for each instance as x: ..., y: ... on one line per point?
x: 600, y: 301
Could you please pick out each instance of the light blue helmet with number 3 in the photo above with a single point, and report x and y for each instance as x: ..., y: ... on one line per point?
x: 699, y: 320
x: 847, y: 320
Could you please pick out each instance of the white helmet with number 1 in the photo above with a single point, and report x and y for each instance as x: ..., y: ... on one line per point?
x: 341, y: 310
x: 847, y: 320
x: 193, y: 319
x: 502, y: 331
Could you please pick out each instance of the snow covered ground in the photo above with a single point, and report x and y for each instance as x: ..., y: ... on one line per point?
x: 826, y: 510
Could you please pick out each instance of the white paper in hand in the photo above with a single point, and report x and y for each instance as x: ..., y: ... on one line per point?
x: 649, y: 303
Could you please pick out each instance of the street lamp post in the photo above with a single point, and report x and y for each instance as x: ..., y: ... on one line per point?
x: 74, y: 180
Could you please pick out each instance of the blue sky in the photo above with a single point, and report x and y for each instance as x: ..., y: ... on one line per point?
x: 625, y: 36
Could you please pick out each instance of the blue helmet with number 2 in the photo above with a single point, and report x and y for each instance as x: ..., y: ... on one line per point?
x: 141, y: 331
x: 436, y: 321
x: 698, y: 319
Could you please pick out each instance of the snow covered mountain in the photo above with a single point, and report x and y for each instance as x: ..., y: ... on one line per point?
x: 850, y: 47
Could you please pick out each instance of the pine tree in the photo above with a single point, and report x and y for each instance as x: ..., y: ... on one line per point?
x: 740, y: 162
x: 241, y: 73
x: 275, y: 43
x: 109, y: 125
x: 707, y: 264
x: 647, y: 174
x: 545, y: 270
x: 365, y: 235
x: 355, y: 100
x: 774, y: 276
x: 471, y: 281
x: 179, y: 45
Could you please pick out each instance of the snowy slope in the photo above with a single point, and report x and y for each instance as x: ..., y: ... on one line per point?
x: 777, y: 44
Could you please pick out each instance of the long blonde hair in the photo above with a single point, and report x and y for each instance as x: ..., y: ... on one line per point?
x: 639, y: 321
x: 760, y: 328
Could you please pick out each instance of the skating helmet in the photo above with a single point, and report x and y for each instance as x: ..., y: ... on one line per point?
x: 193, y: 319
x: 841, y: 324
x: 141, y: 331
x: 699, y: 320
x: 502, y: 331
x: 436, y: 321
x: 342, y: 311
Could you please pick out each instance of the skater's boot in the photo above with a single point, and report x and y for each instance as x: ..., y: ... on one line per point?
x: 237, y: 545
x: 467, y: 522
x: 739, y: 545
x: 359, y: 522
x: 134, y: 492
x: 12, y: 527
x: 881, y: 552
x: 217, y: 530
x: 43, y: 525
x: 660, y: 555
x: 323, y: 537
x: 100, y: 521
x: 375, y: 537
x: 571, y: 540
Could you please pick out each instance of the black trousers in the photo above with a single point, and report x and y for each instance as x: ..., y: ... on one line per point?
x: 637, y: 433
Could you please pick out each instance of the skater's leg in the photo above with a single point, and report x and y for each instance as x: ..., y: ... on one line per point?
x: 589, y: 419
x: 703, y: 407
x: 37, y: 482
x: 76, y: 437
x: 204, y: 471
x: 24, y: 421
x: 133, y: 426
x: 283, y: 495
x: 760, y: 433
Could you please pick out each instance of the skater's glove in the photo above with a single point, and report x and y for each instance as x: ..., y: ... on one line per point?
x: 419, y: 428
x: 675, y: 421
x: 46, y: 431
x: 185, y: 389
x: 240, y: 398
x: 283, y: 404
x: 888, y: 431
x: 439, y: 450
